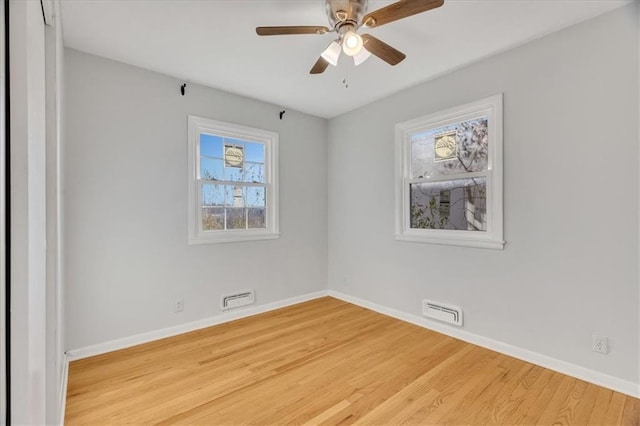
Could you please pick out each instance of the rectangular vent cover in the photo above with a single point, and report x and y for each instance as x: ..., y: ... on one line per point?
x: 231, y: 301
x: 447, y: 313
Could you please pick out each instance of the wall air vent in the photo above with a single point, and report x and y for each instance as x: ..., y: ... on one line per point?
x: 231, y: 301
x: 447, y: 313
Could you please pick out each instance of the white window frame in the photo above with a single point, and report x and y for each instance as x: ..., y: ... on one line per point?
x: 493, y: 236
x: 199, y: 125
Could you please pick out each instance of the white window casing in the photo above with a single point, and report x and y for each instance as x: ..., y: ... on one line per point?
x: 492, y: 236
x: 196, y: 234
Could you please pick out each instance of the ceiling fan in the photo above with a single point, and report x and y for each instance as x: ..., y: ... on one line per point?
x: 346, y: 17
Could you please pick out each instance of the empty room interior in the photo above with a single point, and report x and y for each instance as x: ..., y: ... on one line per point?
x: 320, y: 212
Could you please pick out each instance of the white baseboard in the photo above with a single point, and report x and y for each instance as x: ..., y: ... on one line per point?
x: 62, y: 398
x: 582, y: 373
x: 114, y: 345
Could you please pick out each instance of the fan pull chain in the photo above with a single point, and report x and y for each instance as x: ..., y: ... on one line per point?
x: 347, y: 71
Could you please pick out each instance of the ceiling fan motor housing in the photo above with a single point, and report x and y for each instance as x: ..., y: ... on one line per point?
x: 345, y: 13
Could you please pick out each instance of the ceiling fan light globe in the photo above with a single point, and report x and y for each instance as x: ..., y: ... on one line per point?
x: 361, y: 56
x: 332, y: 53
x: 352, y: 43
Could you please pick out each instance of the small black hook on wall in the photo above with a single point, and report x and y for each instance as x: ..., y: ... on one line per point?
x: 282, y: 114
x: 182, y: 88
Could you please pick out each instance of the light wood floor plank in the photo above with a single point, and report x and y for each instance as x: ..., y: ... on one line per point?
x: 631, y: 413
x: 527, y: 395
x: 328, y: 362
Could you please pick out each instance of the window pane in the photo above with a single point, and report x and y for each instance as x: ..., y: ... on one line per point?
x: 457, y: 148
x: 212, y: 218
x: 233, y: 174
x: 255, y: 196
x: 212, y: 195
x: 254, y: 152
x: 254, y: 172
x: 233, y: 141
x: 210, y: 145
x: 235, y: 196
x: 459, y: 204
x: 210, y: 169
x: 256, y: 218
x: 236, y: 218
x: 233, y: 154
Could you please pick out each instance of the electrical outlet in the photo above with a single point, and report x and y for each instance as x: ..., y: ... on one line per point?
x: 178, y: 306
x: 599, y: 344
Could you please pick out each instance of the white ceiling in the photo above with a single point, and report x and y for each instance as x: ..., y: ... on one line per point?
x: 214, y: 43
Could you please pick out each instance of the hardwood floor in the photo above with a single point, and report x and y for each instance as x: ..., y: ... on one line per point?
x: 329, y: 362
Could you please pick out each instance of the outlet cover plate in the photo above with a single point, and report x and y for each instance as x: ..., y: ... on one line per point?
x: 600, y: 344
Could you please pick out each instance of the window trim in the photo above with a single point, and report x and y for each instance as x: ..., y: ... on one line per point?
x: 199, y: 125
x: 492, y: 238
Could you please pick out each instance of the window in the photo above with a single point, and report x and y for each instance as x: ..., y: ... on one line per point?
x: 449, y: 176
x: 233, y: 184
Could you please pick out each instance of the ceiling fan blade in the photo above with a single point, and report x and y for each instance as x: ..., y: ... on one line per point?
x: 319, y: 66
x: 269, y: 31
x: 399, y: 10
x: 382, y: 50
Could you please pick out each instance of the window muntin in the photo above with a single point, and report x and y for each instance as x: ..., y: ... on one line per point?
x: 449, y: 177
x: 233, y: 182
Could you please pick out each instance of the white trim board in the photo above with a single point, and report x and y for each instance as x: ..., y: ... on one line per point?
x: 601, y: 379
x: 126, y: 342
x: 638, y: 7
x: 63, y: 390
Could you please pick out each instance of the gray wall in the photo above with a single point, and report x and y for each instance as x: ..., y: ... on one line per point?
x: 570, y: 144
x: 126, y: 252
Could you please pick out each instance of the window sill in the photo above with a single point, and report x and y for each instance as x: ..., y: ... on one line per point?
x: 233, y: 237
x: 461, y: 242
